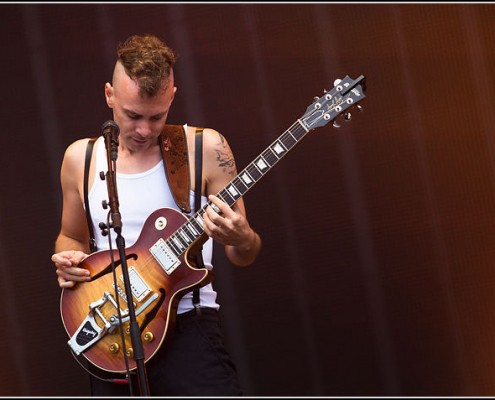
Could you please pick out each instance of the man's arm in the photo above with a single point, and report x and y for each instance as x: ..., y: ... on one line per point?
x: 230, y: 227
x: 72, y: 243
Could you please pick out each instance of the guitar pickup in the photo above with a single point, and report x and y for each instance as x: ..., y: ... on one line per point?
x: 164, y: 255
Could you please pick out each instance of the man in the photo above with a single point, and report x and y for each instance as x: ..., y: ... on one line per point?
x: 196, y: 362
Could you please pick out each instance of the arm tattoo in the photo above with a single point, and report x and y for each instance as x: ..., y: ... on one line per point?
x: 225, y: 157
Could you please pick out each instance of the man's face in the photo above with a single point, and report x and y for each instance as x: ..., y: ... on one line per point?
x: 140, y: 118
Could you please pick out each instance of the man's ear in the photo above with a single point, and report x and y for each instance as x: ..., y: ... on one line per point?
x: 173, y: 94
x: 109, y: 94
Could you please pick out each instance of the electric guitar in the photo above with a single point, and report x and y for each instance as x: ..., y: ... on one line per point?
x: 161, y: 263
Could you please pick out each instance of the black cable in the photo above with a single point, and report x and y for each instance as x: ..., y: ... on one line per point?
x: 120, y: 381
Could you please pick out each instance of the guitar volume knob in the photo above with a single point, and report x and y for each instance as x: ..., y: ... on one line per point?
x: 148, y: 337
x: 114, y: 348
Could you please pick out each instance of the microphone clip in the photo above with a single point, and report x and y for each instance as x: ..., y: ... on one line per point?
x: 111, y: 131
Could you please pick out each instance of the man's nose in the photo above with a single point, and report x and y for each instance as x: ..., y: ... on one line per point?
x: 144, y: 128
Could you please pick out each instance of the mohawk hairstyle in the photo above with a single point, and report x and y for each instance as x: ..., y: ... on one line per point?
x: 148, y: 61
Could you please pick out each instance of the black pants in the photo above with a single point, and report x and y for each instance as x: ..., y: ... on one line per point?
x: 195, y: 363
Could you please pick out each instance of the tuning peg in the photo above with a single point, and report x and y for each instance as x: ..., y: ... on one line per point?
x: 336, y: 125
x: 347, y: 116
x: 360, y: 107
x: 336, y: 82
x: 316, y: 98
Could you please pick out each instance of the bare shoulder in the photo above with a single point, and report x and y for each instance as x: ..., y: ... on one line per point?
x: 74, y: 157
x: 76, y: 150
x: 211, y: 137
x: 215, y: 146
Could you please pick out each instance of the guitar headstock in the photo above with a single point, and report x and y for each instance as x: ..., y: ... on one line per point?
x: 346, y: 94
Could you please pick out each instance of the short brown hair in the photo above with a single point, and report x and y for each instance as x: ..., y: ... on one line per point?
x: 148, y: 61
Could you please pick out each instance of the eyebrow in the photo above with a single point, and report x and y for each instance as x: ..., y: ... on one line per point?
x: 135, y: 114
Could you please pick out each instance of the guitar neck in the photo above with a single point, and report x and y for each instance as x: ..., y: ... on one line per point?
x: 346, y: 93
x: 250, y: 175
x: 239, y: 186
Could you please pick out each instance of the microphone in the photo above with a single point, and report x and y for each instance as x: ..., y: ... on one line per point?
x: 111, y: 131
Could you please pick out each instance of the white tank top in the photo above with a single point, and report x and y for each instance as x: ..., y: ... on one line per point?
x: 139, y: 195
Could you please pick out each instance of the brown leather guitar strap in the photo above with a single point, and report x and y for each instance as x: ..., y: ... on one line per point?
x: 174, y: 151
x: 175, y: 155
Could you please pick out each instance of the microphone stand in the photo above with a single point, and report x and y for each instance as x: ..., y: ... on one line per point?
x: 111, y: 144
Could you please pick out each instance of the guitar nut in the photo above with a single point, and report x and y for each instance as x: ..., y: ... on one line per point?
x: 114, y: 348
x: 148, y: 337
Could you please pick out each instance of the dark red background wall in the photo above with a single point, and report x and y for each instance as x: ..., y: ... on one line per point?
x: 376, y: 275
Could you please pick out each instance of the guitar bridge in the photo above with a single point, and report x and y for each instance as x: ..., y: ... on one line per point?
x: 89, y: 332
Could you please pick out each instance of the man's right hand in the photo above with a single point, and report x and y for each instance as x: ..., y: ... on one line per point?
x: 68, y: 271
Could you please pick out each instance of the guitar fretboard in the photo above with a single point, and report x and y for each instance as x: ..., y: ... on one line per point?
x: 191, y: 230
x: 323, y: 110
